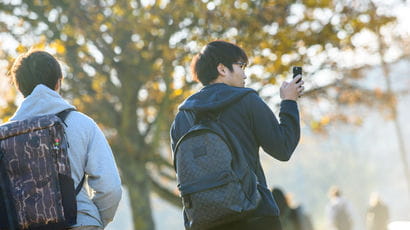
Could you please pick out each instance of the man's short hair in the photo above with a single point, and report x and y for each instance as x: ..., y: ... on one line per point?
x: 204, y: 65
x: 33, y: 68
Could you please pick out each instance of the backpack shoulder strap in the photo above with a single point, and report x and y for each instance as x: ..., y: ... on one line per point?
x: 63, y: 114
x: 190, y: 116
x: 80, y: 185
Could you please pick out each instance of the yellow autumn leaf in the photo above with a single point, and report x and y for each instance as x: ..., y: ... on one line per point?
x: 315, y: 125
x: 272, y: 80
x: 177, y: 92
x: 21, y: 49
x: 58, y: 46
x: 325, y: 120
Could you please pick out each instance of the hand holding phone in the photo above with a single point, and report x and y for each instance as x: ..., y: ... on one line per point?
x: 292, y: 93
x: 296, y: 71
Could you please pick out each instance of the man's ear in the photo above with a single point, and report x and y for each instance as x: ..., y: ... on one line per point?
x: 221, y: 69
x: 58, y: 84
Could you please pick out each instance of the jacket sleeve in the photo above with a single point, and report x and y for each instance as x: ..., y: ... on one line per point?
x: 103, y: 176
x: 278, y: 139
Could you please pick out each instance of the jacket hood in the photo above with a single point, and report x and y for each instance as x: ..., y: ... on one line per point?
x: 214, y: 96
x: 41, y: 101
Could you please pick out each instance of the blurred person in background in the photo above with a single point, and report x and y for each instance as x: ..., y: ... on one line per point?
x: 291, y: 218
x: 338, y: 211
x: 377, y: 217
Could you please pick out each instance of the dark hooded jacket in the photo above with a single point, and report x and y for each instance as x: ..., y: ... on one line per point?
x: 254, y: 125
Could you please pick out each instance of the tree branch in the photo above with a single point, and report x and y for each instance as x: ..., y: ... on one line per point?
x: 165, y: 193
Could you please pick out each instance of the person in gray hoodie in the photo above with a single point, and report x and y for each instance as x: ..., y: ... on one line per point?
x: 37, y: 75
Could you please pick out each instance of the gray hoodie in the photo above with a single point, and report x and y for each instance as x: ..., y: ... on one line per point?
x: 89, y: 154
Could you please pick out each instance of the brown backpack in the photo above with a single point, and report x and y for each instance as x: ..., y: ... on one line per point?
x: 36, y: 188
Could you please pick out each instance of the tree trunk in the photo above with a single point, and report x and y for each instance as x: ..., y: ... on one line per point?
x: 394, y: 111
x: 403, y: 153
x: 135, y: 177
x: 400, y: 139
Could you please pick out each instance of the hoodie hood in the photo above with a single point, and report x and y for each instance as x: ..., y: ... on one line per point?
x: 214, y: 96
x: 41, y: 101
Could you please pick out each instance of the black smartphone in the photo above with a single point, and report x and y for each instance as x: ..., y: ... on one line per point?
x: 296, y: 71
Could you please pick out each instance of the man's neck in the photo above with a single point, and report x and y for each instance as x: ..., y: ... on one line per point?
x: 217, y: 80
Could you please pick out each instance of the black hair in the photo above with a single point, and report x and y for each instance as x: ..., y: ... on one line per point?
x: 204, y: 65
x: 33, y: 68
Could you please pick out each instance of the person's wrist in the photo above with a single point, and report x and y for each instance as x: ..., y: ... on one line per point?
x: 290, y: 98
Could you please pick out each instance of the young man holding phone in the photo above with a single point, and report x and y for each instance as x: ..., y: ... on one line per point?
x: 220, y: 68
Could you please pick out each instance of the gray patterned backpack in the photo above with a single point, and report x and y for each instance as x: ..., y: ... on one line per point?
x: 214, y: 180
x: 36, y: 188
